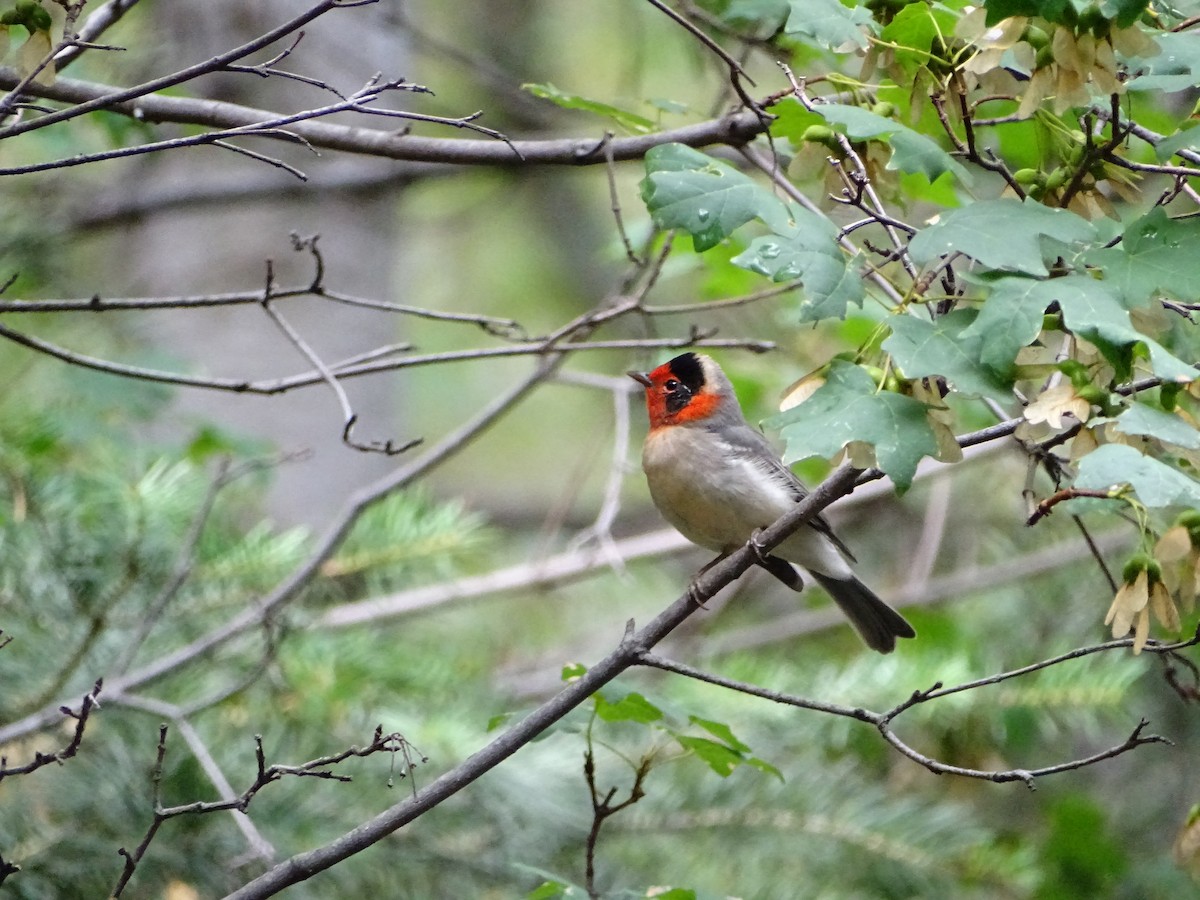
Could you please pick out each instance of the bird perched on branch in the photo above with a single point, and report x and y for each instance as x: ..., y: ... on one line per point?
x: 718, y: 482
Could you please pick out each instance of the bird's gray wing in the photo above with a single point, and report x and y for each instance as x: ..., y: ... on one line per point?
x: 749, y: 444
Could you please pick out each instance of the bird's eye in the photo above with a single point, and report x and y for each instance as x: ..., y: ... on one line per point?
x: 671, y: 384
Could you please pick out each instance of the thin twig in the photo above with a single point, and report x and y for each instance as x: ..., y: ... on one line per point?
x: 40, y: 759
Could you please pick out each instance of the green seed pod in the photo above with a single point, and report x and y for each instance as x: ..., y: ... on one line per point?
x: 1036, y: 37
x: 819, y: 134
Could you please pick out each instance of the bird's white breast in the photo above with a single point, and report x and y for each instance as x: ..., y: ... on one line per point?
x: 712, y: 495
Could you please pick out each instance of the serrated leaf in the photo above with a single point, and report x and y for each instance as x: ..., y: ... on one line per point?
x: 1158, y: 253
x: 719, y: 758
x: 1155, y: 483
x: 911, y: 151
x: 633, y: 707
x: 829, y: 23
x: 684, y: 188
x: 1011, y: 318
x: 624, y: 118
x: 1176, y: 66
x: 943, y: 347
x: 808, y: 251
x: 721, y: 731
x: 1003, y: 234
x: 1091, y: 310
x: 849, y: 407
x: 1149, y: 421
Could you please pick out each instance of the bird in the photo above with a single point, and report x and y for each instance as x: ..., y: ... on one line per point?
x: 718, y: 482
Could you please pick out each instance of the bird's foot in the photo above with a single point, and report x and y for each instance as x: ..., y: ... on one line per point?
x: 756, y: 546
x: 694, y: 589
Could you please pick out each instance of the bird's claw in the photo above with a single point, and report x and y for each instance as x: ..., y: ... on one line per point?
x: 756, y: 546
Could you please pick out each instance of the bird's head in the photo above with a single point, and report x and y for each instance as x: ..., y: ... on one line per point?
x: 689, y: 388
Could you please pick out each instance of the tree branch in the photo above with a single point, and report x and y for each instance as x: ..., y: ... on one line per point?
x: 735, y: 129
x: 882, y: 721
x: 44, y: 759
x: 628, y: 652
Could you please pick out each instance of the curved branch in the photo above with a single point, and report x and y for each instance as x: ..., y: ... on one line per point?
x: 882, y: 721
x: 736, y: 129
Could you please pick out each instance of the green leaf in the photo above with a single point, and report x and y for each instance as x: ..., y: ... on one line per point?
x: 497, y: 720
x: 1158, y: 253
x: 911, y: 151
x: 1165, y: 149
x: 1176, y: 67
x: 849, y: 407
x: 672, y: 894
x: 1143, y: 419
x: 684, y: 188
x: 792, y: 119
x: 633, y: 707
x: 721, y: 731
x: 943, y: 347
x: 766, y: 15
x: 1091, y: 310
x: 914, y: 29
x: 573, y: 671
x: 1050, y: 10
x: 765, y: 767
x: 1011, y: 318
x: 808, y: 251
x: 547, y: 890
x: 624, y: 118
x: 1155, y: 483
x: 1003, y: 234
x: 1123, y: 13
x: 829, y: 23
x: 719, y: 758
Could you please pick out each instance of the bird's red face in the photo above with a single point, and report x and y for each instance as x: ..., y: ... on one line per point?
x: 677, y: 392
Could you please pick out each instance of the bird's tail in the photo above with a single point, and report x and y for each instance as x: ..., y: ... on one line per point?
x: 877, y: 622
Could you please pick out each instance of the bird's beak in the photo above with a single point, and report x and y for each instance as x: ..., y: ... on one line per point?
x: 641, y: 378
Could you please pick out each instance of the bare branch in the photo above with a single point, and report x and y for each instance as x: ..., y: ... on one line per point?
x: 349, y: 416
x: 882, y: 721
x: 322, y: 767
x: 735, y: 129
x: 113, y: 98
x: 98, y: 22
x: 358, y: 369
x: 628, y: 652
x: 40, y: 759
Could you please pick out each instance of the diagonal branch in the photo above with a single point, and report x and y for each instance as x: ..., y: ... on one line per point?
x: 627, y: 654
x: 113, y: 95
